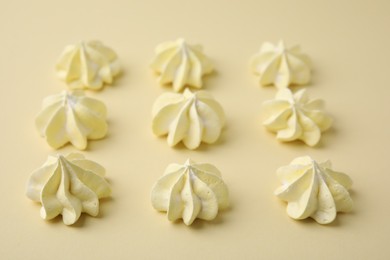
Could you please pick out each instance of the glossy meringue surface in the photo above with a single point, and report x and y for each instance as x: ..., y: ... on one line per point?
x: 190, y: 191
x: 314, y: 190
x: 71, y: 117
x: 68, y: 186
x: 191, y: 117
x: 294, y: 116
x: 181, y: 64
x: 88, y: 65
x: 281, y: 66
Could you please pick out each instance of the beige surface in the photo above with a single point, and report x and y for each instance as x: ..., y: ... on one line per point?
x: 348, y: 42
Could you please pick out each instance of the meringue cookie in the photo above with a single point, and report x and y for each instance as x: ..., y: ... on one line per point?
x: 68, y: 186
x: 71, y: 117
x: 189, y: 117
x: 295, y: 117
x: 281, y: 66
x: 181, y: 64
x: 314, y: 190
x: 190, y: 191
x: 87, y: 65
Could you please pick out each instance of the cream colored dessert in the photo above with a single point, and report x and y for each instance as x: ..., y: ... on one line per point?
x: 189, y: 117
x: 68, y: 186
x: 190, y: 191
x: 281, y: 66
x: 181, y: 64
x: 296, y: 117
x: 71, y: 117
x: 88, y: 65
x: 314, y: 190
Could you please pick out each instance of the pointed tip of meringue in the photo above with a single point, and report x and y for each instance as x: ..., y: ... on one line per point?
x: 189, y: 94
x: 181, y: 40
x: 187, y: 90
x: 282, y: 46
x: 61, y: 158
x: 188, y: 162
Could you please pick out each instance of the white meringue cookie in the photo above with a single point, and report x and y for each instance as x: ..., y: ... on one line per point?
x: 68, y: 186
x: 71, y: 117
x: 181, y: 64
x: 189, y: 117
x: 88, y: 65
x: 314, y: 190
x: 281, y: 66
x: 296, y: 117
x: 190, y: 191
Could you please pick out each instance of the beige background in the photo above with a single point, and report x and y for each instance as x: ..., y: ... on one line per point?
x: 349, y: 44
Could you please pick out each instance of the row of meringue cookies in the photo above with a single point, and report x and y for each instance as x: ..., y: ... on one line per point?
x: 71, y: 116
x: 292, y: 115
x: 311, y: 189
x: 187, y: 117
x: 71, y: 185
x: 193, y: 190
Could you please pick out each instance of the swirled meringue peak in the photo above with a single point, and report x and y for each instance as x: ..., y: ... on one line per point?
x: 68, y: 186
x: 181, y: 64
x: 281, y: 66
x: 190, y: 191
x: 296, y: 117
x: 87, y: 65
x: 71, y: 117
x: 314, y: 190
x: 189, y: 117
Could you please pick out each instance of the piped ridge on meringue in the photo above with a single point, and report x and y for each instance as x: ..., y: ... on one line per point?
x: 181, y: 64
x: 68, y: 186
x: 314, y: 190
x: 88, y: 65
x: 189, y: 117
x: 190, y: 191
x: 281, y: 66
